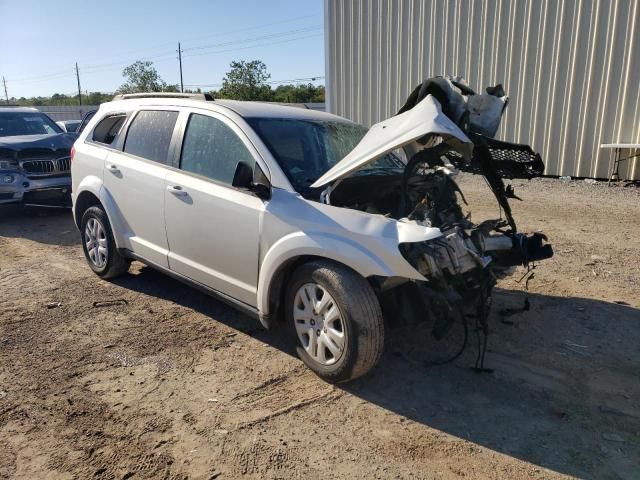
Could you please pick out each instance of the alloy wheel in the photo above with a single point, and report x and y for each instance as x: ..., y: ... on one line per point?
x: 96, y: 242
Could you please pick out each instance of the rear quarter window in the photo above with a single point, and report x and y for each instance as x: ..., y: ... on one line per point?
x: 108, y: 128
x: 149, y: 135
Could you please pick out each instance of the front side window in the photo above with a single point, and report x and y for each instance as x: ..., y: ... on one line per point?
x: 306, y: 149
x: 26, y: 123
x: 149, y: 135
x: 212, y: 149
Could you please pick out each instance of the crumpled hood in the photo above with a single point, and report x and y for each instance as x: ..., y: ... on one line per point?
x: 53, y: 142
x: 395, y: 132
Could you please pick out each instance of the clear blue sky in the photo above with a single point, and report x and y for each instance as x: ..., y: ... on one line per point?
x: 41, y: 41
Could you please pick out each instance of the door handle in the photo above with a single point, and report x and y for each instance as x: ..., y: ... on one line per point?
x: 177, y: 190
x: 113, y: 168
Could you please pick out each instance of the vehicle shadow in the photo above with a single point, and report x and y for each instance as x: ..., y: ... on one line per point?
x: 151, y: 282
x: 48, y: 225
x: 564, y: 394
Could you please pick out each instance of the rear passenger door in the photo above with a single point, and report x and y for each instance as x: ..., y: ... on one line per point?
x: 212, y: 227
x: 135, y: 176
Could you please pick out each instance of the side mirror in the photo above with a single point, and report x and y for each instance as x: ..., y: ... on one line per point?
x: 243, y: 178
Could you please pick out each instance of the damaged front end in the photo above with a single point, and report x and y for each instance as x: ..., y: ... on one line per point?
x: 462, y: 266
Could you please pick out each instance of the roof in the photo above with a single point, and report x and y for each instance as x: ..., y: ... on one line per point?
x: 266, y: 109
x: 242, y: 108
x: 17, y: 108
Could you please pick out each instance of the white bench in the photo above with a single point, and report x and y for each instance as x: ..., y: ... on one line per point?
x: 617, y: 157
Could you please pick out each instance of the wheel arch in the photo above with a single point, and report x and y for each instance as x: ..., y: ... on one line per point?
x: 294, y: 250
x: 84, y: 200
x: 91, y: 192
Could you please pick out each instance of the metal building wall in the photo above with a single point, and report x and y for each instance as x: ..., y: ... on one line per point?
x: 570, y: 67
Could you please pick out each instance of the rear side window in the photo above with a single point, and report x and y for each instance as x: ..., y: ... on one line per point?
x: 212, y: 149
x: 108, y: 128
x: 150, y: 134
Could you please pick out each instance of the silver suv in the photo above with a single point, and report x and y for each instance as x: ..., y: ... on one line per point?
x: 289, y: 214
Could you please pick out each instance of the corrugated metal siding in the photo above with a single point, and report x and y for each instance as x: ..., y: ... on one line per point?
x: 571, y: 68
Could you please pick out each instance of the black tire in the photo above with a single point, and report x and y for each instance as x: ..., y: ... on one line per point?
x: 360, y: 313
x: 115, y: 264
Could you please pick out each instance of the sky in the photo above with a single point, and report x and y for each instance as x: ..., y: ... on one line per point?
x: 40, y: 41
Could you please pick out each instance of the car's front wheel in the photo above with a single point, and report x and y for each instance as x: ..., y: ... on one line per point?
x: 336, y: 319
x: 99, y: 247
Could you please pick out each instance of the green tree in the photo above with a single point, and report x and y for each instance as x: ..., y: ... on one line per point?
x: 142, y: 76
x: 246, y: 81
x: 308, y: 93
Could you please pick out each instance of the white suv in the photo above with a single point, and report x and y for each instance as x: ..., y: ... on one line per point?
x: 284, y: 212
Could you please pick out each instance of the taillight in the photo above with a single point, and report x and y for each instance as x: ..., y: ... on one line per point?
x: 73, y: 152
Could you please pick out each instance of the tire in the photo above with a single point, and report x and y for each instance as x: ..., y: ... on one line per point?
x: 358, y: 319
x: 106, y: 261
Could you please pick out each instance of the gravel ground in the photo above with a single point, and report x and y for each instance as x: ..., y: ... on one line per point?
x: 169, y: 383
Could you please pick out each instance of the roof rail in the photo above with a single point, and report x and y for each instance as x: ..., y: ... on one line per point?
x: 192, y: 96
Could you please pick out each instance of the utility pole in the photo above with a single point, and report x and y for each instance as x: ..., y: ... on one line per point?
x: 79, y: 91
x: 180, y: 61
x: 6, y: 95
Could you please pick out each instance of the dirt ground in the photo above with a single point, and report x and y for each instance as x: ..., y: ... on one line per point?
x: 169, y: 383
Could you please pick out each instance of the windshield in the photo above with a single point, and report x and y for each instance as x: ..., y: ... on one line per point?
x: 26, y: 123
x: 306, y: 149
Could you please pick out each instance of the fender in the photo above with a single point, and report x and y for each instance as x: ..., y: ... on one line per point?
x: 319, y: 244
x: 119, y: 226
x: 324, y: 245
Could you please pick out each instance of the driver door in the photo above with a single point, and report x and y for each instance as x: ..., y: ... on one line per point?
x: 213, y: 228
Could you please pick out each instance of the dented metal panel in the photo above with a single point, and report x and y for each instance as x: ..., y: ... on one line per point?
x: 572, y: 68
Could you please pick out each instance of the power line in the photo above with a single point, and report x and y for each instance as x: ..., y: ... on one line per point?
x: 99, y: 68
x: 254, y: 46
x: 39, y: 78
x: 169, y: 55
x: 236, y: 30
x: 88, y: 71
x: 255, y: 39
x: 162, y: 54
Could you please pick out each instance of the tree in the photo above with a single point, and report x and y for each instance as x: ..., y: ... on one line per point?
x: 308, y: 93
x: 246, y: 81
x: 142, y: 76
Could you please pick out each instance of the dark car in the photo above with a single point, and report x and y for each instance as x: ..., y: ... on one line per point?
x: 34, y: 158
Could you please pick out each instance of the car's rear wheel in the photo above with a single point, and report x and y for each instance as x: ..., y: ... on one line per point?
x: 336, y: 320
x: 99, y: 247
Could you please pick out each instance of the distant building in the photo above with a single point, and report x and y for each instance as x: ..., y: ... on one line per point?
x: 570, y: 67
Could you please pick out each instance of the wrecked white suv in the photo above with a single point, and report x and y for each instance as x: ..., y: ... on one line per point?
x: 293, y: 214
